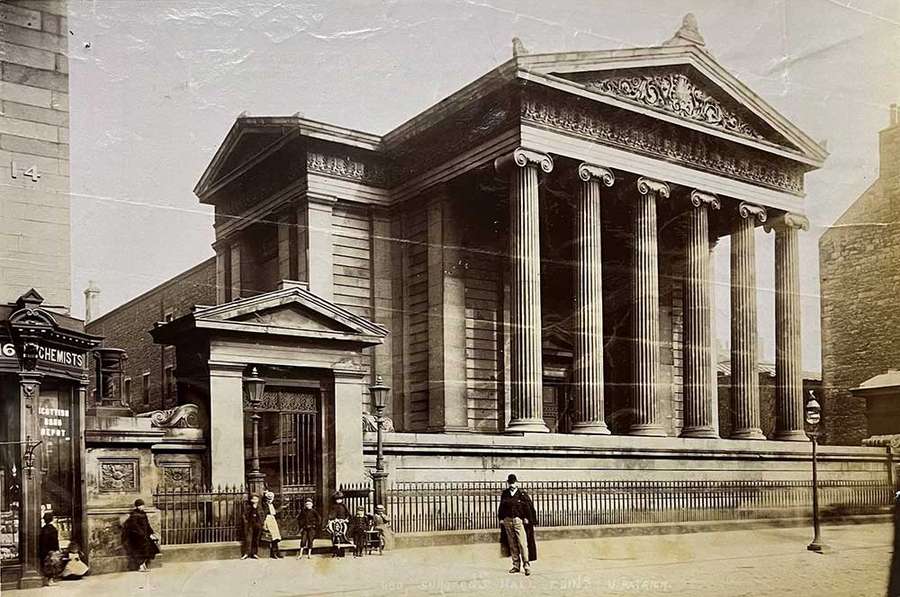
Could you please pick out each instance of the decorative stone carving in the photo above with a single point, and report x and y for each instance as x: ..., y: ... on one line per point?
x: 286, y: 400
x: 647, y: 186
x: 676, y: 94
x: 588, y: 171
x: 348, y: 168
x: 696, y: 151
x: 699, y: 198
x: 184, y: 416
x: 370, y: 423
x: 748, y: 210
x: 119, y: 475
x: 177, y: 475
x: 522, y: 157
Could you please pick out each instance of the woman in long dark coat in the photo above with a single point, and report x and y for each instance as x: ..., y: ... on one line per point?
x: 140, y: 540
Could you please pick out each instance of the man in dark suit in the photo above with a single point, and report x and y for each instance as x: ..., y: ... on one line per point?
x: 517, y: 520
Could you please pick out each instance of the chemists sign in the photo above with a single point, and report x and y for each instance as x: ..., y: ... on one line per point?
x: 47, y: 355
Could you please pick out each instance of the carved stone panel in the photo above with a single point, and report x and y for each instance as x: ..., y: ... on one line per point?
x: 177, y: 476
x: 286, y: 399
x: 119, y: 475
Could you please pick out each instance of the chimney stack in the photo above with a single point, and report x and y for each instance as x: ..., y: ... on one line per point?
x: 895, y: 115
x: 91, y: 301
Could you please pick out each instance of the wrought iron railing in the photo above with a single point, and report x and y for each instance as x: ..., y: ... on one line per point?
x: 205, y: 516
x: 450, y: 506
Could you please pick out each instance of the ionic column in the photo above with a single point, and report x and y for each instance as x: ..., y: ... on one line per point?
x: 788, y: 348
x: 699, y: 384
x: 588, y: 369
x: 645, y: 322
x: 523, y: 167
x: 744, y: 349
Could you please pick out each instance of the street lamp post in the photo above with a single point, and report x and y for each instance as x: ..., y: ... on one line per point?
x: 379, y: 393
x: 813, y: 418
x: 256, y: 480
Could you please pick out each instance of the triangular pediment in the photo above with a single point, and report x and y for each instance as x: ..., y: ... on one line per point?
x: 681, y: 92
x: 291, y: 311
x: 680, y: 83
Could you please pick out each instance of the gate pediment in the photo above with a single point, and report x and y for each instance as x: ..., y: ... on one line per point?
x: 292, y: 311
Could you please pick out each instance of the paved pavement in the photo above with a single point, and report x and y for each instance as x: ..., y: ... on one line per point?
x: 729, y: 563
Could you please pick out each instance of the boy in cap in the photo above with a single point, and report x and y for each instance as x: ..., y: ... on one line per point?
x: 358, y: 527
x: 309, y: 522
x: 517, y: 518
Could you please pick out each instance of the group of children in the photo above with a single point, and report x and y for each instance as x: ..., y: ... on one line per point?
x: 344, y: 528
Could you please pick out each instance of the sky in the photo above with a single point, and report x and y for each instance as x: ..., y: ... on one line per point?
x: 155, y: 86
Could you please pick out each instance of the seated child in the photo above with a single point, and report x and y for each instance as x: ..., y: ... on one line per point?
x: 75, y: 566
x: 359, y: 524
x: 309, y: 523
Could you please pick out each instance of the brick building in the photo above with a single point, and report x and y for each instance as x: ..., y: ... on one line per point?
x: 150, y: 369
x: 860, y: 283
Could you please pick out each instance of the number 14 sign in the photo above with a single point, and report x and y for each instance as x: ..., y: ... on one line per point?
x: 31, y: 172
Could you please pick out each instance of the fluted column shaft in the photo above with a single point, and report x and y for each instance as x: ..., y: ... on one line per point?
x: 699, y: 385
x: 788, y: 343
x: 588, y: 370
x: 523, y: 167
x: 645, y: 322
x: 744, y: 342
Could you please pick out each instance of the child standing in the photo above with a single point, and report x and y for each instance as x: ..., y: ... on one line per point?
x: 358, y: 527
x: 270, y: 525
x: 382, y: 524
x: 309, y: 522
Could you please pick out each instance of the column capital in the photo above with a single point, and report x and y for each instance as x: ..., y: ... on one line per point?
x: 788, y: 220
x: 587, y: 172
x: 648, y: 186
x: 748, y: 210
x: 523, y: 157
x: 699, y: 198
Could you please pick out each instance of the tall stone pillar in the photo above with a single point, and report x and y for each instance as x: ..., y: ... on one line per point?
x: 788, y: 341
x: 30, y: 486
x: 744, y: 332
x: 588, y: 370
x: 348, y: 435
x: 320, y: 251
x: 226, y: 424
x: 699, y: 382
x: 523, y: 167
x: 645, y: 319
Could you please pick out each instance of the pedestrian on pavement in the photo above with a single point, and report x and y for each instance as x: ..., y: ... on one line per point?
x: 309, y: 522
x: 517, y: 519
x: 894, y: 578
x: 49, y: 556
x: 382, y: 524
x: 140, y: 540
x: 253, y: 521
x: 270, y: 525
x: 358, y: 531
x: 338, y: 510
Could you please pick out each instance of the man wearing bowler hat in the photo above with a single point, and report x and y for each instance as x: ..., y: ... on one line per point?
x: 517, y: 520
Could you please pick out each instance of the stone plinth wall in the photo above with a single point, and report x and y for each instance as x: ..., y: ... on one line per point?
x: 551, y: 457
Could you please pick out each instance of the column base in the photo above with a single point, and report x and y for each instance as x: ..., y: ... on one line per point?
x: 748, y: 434
x: 699, y: 433
x: 591, y: 428
x: 648, y: 430
x: 527, y: 426
x: 794, y: 435
x: 31, y: 579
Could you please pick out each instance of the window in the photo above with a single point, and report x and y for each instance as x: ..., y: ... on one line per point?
x: 145, y: 387
x: 169, y: 316
x: 169, y: 383
x: 127, y: 391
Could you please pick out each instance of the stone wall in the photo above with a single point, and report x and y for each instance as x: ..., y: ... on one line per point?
x: 860, y: 280
x: 128, y: 327
x: 34, y: 151
x: 552, y: 457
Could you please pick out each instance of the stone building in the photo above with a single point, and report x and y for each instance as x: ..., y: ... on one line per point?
x: 527, y: 264
x: 43, y: 350
x: 860, y: 282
